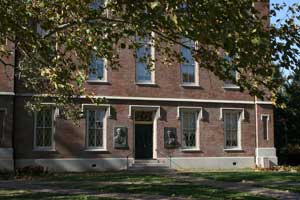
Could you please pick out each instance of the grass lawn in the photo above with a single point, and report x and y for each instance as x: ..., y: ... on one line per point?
x: 276, y: 180
x: 27, y: 195
x: 143, y: 184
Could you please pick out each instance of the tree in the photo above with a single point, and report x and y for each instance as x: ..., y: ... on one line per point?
x: 54, y: 60
x: 287, y: 117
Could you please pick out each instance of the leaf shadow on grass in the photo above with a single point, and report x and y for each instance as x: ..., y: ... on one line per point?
x: 27, y: 195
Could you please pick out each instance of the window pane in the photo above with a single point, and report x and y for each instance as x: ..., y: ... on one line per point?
x: 43, y: 128
x: 39, y: 119
x: 96, y: 69
x: 95, y: 127
x: 188, y: 65
x: 47, y: 118
x: 265, y: 127
x: 142, y: 72
x: 47, y: 136
x: 1, y: 124
x: 188, y: 123
x: 231, y: 120
x: 143, y: 54
x: 39, y: 137
x: 99, y: 137
x: 91, y: 137
x: 188, y: 73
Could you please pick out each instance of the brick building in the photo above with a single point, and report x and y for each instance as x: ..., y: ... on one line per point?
x: 181, y: 115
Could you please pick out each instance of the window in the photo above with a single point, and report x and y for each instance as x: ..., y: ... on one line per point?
x: 189, y: 129
x: 2, y: 114
x: 188, y: 67
x: 232, y: 128
x: 97, y: 70
x: 44, y: 130
x: 144, y: 55
x: 233, y: 73
x: 97, y: 4
x: 265, y: 121
x: 95, y: 128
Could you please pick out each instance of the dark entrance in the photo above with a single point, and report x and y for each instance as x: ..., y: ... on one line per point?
x: 143, y: 141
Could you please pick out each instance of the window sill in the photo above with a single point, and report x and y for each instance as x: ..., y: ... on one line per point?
x: 98, y: 81
x: 44, y: 149
x: 146, y: 84
x: 190, y: 150
x: 231, y: 87
x: 96, y: 150
x: 190, y: 85
x: 233, y: 150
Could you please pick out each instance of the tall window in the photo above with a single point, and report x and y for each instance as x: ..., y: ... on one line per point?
x: 232, y: 128
x: 265, y: 121
x: 233, y: 73
x: 44, y: 129
x: 96, y: 69
x: 188, y: 129
x: 95, y: 127
x: 2, y: 114
x: 143, y: 54
x: 188, y: 67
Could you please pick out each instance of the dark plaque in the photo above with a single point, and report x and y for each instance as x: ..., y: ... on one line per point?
x: 170, y: 137
x: 120, y: 137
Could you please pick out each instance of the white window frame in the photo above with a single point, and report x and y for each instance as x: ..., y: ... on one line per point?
x: 53, y: 116
x: 104, y: 79
x: 268, y: 119
x: 240, y: 111
x: 198, y: 111
x: 107, y: 111
x: 152, y: 72
x: 196, y: 72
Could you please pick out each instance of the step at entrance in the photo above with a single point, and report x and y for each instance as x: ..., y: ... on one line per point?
x: 149, y: 166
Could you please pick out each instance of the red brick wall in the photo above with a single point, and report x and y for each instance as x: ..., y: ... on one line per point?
x: 7, y: 73
x: 268, y: 110
x: 70, y: 140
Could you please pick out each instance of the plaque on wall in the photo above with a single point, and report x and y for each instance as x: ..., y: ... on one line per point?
x: 120, y: 137
x: 170, y: 137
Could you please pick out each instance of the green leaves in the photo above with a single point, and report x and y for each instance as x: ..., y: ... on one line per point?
x: 57, y: 64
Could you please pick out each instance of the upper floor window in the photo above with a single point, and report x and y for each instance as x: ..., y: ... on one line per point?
x: 95, y: 131
x: 233, y: 73
x: 232, y: 128
x: 97, y: 4
x: 97, y: 70
x: 44, y: 129
x: 144, y: 56
x: 189, y: 68
x: 265, y: 127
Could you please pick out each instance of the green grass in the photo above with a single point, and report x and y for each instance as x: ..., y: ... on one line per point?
x: 27, y: 195
x: 111, y: 177
x: 274, y: 180
x: 248, y: 176
x: 145, y: 184
x: 188, y: 191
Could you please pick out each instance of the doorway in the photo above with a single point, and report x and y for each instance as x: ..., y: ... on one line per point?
x: 143, y: 141
x: 143, y: 134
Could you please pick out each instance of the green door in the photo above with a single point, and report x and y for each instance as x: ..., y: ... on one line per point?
x: 143, y: 141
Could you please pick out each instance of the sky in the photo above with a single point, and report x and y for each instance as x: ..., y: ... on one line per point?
x: 282, y: 13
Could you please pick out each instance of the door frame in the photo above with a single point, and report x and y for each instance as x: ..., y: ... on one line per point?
x: 156, y: 112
